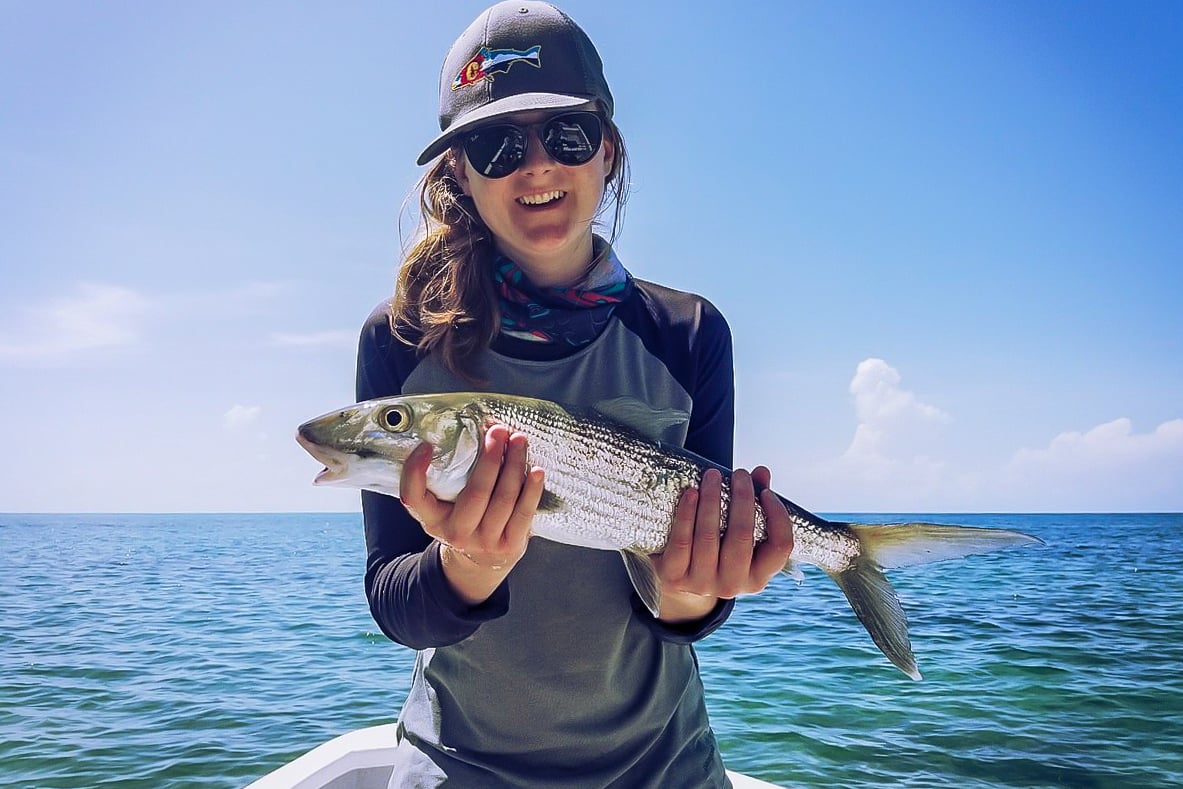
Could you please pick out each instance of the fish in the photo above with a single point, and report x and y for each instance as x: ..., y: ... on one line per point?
x: 487, y: 62
x: 609, y: 487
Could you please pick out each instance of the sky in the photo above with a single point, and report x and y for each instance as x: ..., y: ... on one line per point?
x: 948, y: 237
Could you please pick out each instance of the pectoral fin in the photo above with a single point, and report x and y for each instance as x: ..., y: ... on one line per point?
x: 643, y: 575
x: 550, y: 502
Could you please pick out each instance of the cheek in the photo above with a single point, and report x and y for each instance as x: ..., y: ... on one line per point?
x: 486, y: 200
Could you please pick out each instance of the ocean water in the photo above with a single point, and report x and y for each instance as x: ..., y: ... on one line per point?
x: 206, y: 650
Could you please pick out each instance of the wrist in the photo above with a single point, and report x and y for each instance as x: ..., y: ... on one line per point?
x: 682, y: 607
x: 473, y: 579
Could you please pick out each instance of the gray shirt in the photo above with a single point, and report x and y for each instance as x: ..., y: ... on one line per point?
x: 562, y: 678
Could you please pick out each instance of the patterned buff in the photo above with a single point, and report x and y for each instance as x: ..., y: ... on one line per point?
x: 574, y: 315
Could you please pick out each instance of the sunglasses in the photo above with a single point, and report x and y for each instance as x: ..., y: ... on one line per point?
x: 497, y: 150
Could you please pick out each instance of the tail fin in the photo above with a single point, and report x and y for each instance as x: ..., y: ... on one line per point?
x: 893, y: 545
x: 902, y: 545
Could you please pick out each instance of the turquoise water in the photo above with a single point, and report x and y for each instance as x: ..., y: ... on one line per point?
x: 205, y: 650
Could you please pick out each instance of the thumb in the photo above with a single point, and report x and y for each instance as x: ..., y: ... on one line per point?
x: 413, y: 492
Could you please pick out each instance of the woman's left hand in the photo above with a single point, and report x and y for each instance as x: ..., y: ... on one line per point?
x: 701, y: 565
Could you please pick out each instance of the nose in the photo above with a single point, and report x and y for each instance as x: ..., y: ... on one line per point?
x: 537, y: 159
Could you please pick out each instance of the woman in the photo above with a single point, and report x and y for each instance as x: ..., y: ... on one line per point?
x: 537, y: 664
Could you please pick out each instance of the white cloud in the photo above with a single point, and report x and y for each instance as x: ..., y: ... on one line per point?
x: 323, y: 339
x: 1107, y: 467
x: 1107, y: 445
x: 893, y: 424
x: 895, y: 460
x: 95, y: 316
x: 878, y: 396
x: 899, y: 460
x: 240, y: 417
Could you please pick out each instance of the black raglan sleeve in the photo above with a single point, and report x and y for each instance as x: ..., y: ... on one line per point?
x: 693, y: 339
x: 409, y: 597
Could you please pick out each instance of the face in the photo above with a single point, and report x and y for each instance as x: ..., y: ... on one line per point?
x: 541, y: 214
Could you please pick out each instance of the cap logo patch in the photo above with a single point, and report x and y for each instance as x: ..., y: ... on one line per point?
x: 487, y: 62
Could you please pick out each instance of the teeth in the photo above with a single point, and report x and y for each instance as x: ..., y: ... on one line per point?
x: 541, y: 199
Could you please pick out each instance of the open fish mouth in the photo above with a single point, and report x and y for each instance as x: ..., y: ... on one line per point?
x: 336, y: 464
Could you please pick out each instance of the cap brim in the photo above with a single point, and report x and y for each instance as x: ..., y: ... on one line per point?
x: 523, y: 102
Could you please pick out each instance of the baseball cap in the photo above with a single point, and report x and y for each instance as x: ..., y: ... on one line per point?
x: 517, y: 55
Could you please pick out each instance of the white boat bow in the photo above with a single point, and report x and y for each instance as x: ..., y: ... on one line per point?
x: 362, y: 759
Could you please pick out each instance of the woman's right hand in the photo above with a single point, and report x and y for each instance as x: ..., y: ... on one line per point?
x: 482, y: 534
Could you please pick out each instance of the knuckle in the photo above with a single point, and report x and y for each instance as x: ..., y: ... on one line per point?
x: 743, y: 535
x: 707, y: 535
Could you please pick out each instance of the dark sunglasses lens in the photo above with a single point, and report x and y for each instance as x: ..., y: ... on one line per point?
x: 496, y: 151
x: 573, y: 138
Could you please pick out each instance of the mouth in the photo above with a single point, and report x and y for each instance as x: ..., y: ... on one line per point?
x: 542, y: 199
x: 336, y: 464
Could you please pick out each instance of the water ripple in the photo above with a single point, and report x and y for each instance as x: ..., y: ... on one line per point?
x: 202, y: 651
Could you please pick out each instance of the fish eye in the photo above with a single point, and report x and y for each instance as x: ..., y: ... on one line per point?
x: 397, y: 418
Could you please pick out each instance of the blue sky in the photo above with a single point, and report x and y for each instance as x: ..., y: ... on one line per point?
x: 947, y: 236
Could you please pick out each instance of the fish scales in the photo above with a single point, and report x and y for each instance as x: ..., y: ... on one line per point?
x: 607, y: 487
x: 624, y: 489
x: 628, y: 488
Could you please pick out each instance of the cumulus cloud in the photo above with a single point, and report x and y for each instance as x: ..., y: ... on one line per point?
x: 1107, y: 467
x: 898, y: 460
x: 895, y: 460
x: 94, y: 316
x: 893, y: 423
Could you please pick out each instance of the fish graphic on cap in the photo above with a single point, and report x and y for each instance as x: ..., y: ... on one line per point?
x: 487, y: 62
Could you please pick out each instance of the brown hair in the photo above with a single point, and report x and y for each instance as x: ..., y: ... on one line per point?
x: 444, y: 300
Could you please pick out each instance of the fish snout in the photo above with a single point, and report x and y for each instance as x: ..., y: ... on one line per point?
x: 336, y: 464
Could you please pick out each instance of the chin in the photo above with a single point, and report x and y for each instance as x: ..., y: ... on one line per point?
x: 546, y: 242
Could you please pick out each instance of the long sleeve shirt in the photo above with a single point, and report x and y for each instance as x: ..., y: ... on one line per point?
x: 562, y: 665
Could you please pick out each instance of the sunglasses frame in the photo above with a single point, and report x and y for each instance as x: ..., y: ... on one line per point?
x: 522, y: 134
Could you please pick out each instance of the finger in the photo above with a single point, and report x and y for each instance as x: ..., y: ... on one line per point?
x: 474, y: 499
x: 508, y: 488
x: 704, y: 559
x: 735, y: 553
x: 773, y: 554
x: 761, y: 478
x: 674, y: 562
x: 517, y: 529
x: 412, y: 487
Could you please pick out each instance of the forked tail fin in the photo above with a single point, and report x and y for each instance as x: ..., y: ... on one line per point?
x: 901, y: 545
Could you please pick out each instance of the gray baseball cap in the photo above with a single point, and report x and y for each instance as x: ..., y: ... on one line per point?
x: 517, y: 55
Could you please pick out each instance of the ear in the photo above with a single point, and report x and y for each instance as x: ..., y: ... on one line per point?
x: 608, y: 149
x: 460, y: 168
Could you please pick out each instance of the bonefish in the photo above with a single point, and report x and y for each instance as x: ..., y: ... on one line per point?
x: 607, y: 487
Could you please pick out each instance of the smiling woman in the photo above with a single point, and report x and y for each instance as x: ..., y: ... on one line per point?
x: 540, y: 189
x: 509, y: 290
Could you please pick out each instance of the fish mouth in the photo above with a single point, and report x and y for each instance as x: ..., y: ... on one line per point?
x: 336, y: 464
